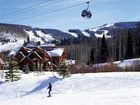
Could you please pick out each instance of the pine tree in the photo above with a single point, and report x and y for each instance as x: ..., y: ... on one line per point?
x: 103, y: 50
x: 26, y: 69
x: 34, y: 66
x: 138, y: 48
x: 63, y: 70
x: 129, y: 46
x: 92, y: 52
x: 13, y: 74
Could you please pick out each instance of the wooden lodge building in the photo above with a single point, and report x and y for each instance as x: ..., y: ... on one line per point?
x: 41, y: 57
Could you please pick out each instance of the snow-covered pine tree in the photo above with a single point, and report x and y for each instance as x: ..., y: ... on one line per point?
x: 13, y: 73
x: 63, y: 70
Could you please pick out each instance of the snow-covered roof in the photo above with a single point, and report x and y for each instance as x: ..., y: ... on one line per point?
x: 1, y: 61
x: 13, y: 52
x: 30, y: 45
x: 47, y: 45
x: 56, y: 52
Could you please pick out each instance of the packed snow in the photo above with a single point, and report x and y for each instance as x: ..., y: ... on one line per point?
x: 78, y: 89
x: 9, y: 36
x: 122, y: 64
x: 10, y: 41
x: 11, y: 45
x: 16, y: 42
x: 128, y: 63
x: 72, y: 33
x: 32, y: 37
x: 101, y: 35
x: 105, y: 32
x: 108, y: 25
x: 86, y: 34
x: 47, y: 37
x: 94, y: 29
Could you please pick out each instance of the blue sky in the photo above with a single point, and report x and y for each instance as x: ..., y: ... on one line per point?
x: 41, y: 13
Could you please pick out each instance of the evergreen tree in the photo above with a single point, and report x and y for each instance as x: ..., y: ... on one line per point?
x: 13, y: 74
x: 129, y: 46
x: 103, y: 50
x: 63, y: 70
x: 138, y: 48
x: 26, y: 69
x: 92, y: 52
x: 34, y: 66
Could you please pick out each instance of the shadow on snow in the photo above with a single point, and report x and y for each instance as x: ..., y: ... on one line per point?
x: 1, y: 82
x: 42, y: 85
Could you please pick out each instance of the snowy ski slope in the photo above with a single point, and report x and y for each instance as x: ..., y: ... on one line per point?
x: 80, y: 89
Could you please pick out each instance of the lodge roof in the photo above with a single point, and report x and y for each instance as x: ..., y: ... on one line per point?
x: 42, y: 45
x: 56, y: 52
x: 13, y: 52
x: 38, y: 52
x: 47, y: 45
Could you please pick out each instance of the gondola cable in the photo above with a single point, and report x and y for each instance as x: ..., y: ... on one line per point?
x: 46, y: 13
x: 21, y: 11
x: 54, y: 11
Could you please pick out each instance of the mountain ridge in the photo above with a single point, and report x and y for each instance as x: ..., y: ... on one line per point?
x: 12, y: 33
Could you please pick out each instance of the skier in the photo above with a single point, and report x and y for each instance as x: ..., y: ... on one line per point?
x: 50, y: 89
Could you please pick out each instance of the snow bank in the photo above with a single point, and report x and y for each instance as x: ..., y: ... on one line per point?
x: 127, y: 63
